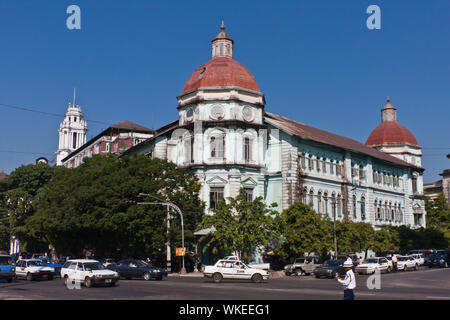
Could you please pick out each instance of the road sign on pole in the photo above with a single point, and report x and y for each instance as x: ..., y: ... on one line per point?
x: 180, y: 252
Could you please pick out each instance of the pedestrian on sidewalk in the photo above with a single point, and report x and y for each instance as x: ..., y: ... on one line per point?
x: 349, y: 282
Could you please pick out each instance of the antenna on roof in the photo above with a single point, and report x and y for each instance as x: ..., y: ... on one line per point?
x: 74, y: 97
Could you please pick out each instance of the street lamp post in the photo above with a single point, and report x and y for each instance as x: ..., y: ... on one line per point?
x: 174, y: 206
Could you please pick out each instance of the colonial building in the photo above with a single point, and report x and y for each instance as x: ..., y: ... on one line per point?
x: 114, y: 140
x: 224, y: 133
x: 432, y: 190
x: 72, y: 132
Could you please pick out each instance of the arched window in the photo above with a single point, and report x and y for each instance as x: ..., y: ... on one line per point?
x: 354, y: 206
x: 310, y: 163
x: 221, y: 49
x: 247, y: 149
x: 311, y: 197
x: 304, y: 195
x: 217, y: 146
x: 325, y: 203
x: 319, y: 202
x: 339, y: 205
x: 331, y: 167
x: 363, y: 208
x: 333, y: 205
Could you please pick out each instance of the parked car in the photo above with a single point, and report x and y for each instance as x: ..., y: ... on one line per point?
x: 419, y: 258
x: 108, y: 262
x: 330, y: 268
x: 7, y: 268
x: 88, y: 272
x: 302, y: 266
x: 406, y: 263
x: 371, y: 265
x: 130, y: 268
x: 32, y: 269
x: 441, y: 259
x: 48, y: 262
x: 234, y: 269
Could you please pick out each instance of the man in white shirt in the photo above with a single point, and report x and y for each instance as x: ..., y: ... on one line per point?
x: 349, y: 281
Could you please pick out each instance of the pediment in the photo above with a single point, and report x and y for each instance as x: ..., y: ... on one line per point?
x: 217, y: 181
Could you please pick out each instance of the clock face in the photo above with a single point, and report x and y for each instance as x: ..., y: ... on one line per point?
x: 217, y: 112
x: 247, y: 113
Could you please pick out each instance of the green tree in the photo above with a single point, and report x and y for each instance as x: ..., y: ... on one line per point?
x: 17, y: 194
x: 354, y: 236
x: 438, y: 214
x: 242, y: 226
x: 304, y: 230
x: 93, y: 207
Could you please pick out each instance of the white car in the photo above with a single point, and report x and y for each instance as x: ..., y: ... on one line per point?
x: 371, y: 265
x: 234, y: 269
x: 32, y: 269
x: 419, y: 258
x: 407, y: 262
x: 88, y: 272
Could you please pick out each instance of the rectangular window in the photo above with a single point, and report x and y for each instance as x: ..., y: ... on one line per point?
x: 338, y: 169
x: 331, y: 167
x: 215, y: 195
x: 324, y: 166
x: 249, y: 194
x: 74, y: 140
x: 247, y: 151
x: 414, y: 184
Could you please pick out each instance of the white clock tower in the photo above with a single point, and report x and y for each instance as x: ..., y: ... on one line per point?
x: 72, y: 131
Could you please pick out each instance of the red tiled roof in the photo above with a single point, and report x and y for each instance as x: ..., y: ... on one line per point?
x: 221, y: 72
x: 310, y: 133
x: 130, y: 126
x: 391, y: 133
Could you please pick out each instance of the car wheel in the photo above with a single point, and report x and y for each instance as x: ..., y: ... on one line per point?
x: 9, y: 280
x: 416, y: 267
x: 389, y: 270
x: 299, y: 272
x: 66, y: 280
x: 217, y: 277
x: 50, y: 277
x: 29, y: 276
x: 147, y: 276
x: 256, y: 278
x: 88, y: 282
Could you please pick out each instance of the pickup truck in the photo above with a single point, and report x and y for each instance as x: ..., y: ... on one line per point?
x: 302, y: 266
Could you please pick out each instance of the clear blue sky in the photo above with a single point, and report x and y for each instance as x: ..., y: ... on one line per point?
x: 315, y: 61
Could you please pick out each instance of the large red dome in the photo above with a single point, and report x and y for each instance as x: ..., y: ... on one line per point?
x: 221, y: 72
x: 391, y: 133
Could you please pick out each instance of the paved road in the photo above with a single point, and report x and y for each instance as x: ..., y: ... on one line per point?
x: 425, y: 283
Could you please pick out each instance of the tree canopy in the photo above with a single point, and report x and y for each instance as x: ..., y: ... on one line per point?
x: 94, y: 207
x: 242, y: 226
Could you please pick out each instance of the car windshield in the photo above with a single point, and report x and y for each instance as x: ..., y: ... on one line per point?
x: 403, y: 258
x: 299, y: 260
x: 331, y: 263
x: 371, y: 260
x: 34, y: 263
x: 5, y: 261
x: 93, y: 266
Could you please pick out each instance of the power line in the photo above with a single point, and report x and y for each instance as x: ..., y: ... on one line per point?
x: 22, y: 108
x: 25, y: 152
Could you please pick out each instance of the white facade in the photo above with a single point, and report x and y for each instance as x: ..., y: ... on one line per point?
x: 224, y: 134
x: 72, y: 132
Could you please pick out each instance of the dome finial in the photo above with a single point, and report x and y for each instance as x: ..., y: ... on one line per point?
x: 222, y: 27
x: 388, y: 99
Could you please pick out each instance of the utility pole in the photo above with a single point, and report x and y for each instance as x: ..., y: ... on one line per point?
x: 171, y: 205
x: 169, y: 257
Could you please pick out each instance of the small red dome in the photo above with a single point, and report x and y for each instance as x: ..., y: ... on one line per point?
x: 221, y: 72
x: 391, y: 133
